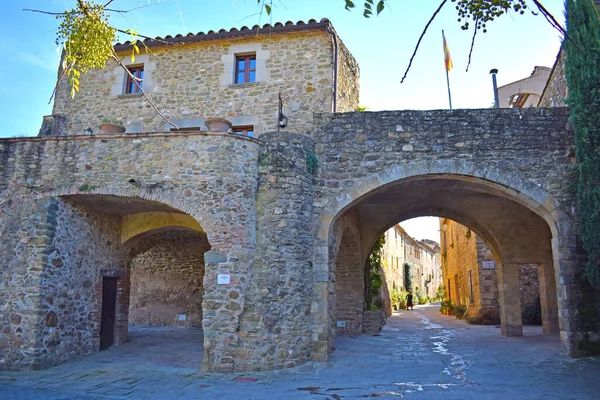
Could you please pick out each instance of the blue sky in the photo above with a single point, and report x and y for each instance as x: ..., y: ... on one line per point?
x: 382, y: 46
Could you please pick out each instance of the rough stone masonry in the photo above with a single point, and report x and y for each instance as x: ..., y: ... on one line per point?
x: 271, y: 213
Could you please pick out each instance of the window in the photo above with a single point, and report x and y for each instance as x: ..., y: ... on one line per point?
x: 244, y: 130
x: 130, y: 86
x: 245, y: 68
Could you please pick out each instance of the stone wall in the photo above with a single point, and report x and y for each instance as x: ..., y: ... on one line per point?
x: 459, y: 255
x: 166, y: 282
x: 556, y: 91
x: 367, y: 155
x: 488, y: 281
x: 190, y: 82
x: 349, y: 280
x: 270, y: 210
x: 211, y: 177
x: 25, y: 234
x: 530, y: 290
x: 86, y: 244
x: 64, y: 322
x: 348, y: 80
x: 274, y: 329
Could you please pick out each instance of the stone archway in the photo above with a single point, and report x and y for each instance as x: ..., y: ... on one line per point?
x: 81, y: 247
x: 521, y: 222
x: 348, y: 282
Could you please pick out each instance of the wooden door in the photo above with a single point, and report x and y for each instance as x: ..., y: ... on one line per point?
x: 109, y: 308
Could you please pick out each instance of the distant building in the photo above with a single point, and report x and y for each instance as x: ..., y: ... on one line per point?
x: 470, y: 277
x: 525, y: 92
x: 410, y: 264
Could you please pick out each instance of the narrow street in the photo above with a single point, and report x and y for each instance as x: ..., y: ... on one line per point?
x: 420, y: 354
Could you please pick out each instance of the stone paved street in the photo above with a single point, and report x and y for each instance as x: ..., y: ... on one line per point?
x: 419, y: 355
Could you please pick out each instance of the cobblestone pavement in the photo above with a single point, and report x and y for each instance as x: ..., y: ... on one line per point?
x: 419, y: 355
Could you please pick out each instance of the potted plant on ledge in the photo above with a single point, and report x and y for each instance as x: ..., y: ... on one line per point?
x: 217, y: 124
x: 112, y: 126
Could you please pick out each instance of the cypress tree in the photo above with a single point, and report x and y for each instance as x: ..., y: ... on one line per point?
x: 582, y: 70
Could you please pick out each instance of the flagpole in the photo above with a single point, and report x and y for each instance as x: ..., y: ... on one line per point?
x: 449, y: 95
x: 447, y: 76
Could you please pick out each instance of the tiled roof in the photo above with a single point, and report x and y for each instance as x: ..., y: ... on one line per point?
x: 289, y: 26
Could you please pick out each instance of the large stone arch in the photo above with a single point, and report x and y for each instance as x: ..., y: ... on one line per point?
x: 75, y: 227
x: 484, y: 180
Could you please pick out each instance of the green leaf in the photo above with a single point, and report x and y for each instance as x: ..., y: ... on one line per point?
x: 268, y: 8
x: 380, y: 6
x: 349, y: 5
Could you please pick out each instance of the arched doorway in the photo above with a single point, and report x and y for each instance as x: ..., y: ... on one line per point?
x: 104, y: 246
x: 518, y: 228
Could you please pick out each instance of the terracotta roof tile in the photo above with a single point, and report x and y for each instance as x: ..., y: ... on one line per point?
x: 289, y: 26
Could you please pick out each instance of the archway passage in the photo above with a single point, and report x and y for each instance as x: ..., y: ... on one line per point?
x: 117, y: 262
x: 515, y: 228
x: 166, y: 274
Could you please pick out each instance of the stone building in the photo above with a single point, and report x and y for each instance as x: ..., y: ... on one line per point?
x: 422, y: 258
x: 469, y: 274
x: 431, y: 277
x: 275, y: 228
x: 236, y: 74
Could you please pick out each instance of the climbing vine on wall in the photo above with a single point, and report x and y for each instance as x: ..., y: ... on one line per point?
x: 407, y: 276
x: 583, y: 79
x: 374, y: 281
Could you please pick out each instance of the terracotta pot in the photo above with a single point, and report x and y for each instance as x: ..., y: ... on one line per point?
x: 217, y: 124
x: 112, y: 129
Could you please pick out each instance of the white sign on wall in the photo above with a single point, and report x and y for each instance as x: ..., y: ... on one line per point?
x: 223, y: 279
x: 488, y: 265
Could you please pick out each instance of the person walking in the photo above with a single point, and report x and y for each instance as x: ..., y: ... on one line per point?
x: 409, y: 301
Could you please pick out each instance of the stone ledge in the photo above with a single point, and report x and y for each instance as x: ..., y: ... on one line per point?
x: 128, y: 136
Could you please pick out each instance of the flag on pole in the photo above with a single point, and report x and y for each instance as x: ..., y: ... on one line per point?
x: 447, y: 56
x: 449, y: 66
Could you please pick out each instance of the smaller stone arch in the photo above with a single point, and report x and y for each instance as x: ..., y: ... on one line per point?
x: 173, y: 200
x: 133, y: 225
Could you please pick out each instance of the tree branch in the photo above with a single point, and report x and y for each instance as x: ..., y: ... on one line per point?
x: 421, y: 38
x: 136, y: 81
x: 472, y: 45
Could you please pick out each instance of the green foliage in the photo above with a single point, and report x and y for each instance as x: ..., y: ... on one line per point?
x: 459, y: 311
x: 87, y: 40
x: 583, y: 79
x: 373, y: 268
x: 487, y: 316
x: 362, y: 108
x: 447, y: 306
x: 312, y: 163
x: 398, y: 299
x: 423, y: 299
x: 86, y: 187
x: 407, y: 276
x: 481, y: 12
x: 441, y: 292
x: 263, y: 159
x: 368, y: 7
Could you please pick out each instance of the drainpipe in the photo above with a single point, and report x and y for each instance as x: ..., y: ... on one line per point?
x: 495, y: 84
x: 335, y: 66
